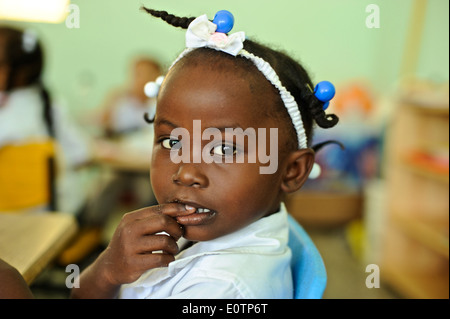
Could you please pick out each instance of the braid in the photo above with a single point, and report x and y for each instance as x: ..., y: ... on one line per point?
x: 148, y: 119
x: 47, y: 111
x: 322, y: 119
x: 180, y: 22
x: 319, y: 146
x: 49, y: 121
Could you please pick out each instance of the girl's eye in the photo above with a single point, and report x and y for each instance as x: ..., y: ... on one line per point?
x: 169, y: 143
x: 224, y: 150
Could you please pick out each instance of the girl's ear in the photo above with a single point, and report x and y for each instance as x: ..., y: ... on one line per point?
x: 297, y: 169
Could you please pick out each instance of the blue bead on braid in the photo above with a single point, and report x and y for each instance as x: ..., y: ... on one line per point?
x: 224, y: 20
x: 324, y: 92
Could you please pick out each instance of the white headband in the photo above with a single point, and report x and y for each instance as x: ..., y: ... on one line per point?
x: 202, y: 33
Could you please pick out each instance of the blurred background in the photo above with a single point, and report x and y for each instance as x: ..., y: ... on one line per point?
x: 382, y: 201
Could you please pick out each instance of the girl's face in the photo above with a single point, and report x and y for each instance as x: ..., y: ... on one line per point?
x: 236, y: 194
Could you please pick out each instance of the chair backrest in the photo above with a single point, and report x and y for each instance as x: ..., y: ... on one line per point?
x: 308, y: 270
x: 26, y: 176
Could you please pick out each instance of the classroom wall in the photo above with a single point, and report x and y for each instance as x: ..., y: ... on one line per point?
x: 434, y: 54
x: 329, y: 37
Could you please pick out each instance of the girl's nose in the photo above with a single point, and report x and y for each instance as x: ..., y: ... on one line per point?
x: 190, y: 175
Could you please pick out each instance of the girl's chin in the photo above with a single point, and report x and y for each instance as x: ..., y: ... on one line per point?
x: 199, y: 233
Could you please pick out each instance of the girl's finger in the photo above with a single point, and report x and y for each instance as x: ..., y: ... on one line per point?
x: 156, y: 224
x: 152, y: 243
x: 172, y: 209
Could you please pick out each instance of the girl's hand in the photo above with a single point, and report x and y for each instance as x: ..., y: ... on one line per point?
x: 129, y: 253
x: 134, y: 248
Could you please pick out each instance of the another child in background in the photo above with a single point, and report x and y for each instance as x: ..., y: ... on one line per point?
x: 230, y: 217
x: 27, y: 113
x: 123, y: 110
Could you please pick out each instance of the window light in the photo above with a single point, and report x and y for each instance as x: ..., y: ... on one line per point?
x: 51, y: 11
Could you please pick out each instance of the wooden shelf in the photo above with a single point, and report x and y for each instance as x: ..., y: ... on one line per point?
x: 416, y: 285
x: 426, y: 172
x: 432, y: 234
x: 426, y: 166
x: 415, y: 250
x: 430, y: 110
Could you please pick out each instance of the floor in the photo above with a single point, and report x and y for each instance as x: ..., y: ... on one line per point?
x: 346, y: 275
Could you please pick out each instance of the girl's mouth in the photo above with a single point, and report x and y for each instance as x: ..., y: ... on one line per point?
x: 199, y: 216
x: 199, y: 210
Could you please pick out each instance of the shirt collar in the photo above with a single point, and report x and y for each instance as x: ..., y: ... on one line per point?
x: 262, y: 236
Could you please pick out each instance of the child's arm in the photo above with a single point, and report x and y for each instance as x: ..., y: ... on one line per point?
x: 129, y: 254
x: 12, y: 284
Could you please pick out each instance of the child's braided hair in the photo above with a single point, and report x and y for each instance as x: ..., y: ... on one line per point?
x: 293, y: 76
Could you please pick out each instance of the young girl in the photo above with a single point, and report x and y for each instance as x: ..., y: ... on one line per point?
x: 28, y: 114
x: 233, y: 215
x: 220, y: 229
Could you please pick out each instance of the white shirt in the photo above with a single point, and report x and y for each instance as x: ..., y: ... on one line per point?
x: 21, y: 117
x: 21, y: 120
x: 251, y: 263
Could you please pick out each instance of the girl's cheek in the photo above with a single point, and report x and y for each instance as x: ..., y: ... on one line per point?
x: 158, y: 171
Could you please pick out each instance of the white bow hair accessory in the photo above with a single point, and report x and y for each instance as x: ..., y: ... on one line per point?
x: 202, y: 33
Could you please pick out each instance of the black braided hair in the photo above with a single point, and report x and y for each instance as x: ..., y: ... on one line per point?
x: 315, y: 106
x: 180, y: 22
x: 321, y: 145
x: 47, y: 110
x: 148, y: 119
x: 291, y: 73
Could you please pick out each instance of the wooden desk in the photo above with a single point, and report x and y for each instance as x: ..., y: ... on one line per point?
x: 119, y: 156
x: 29, y: 242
